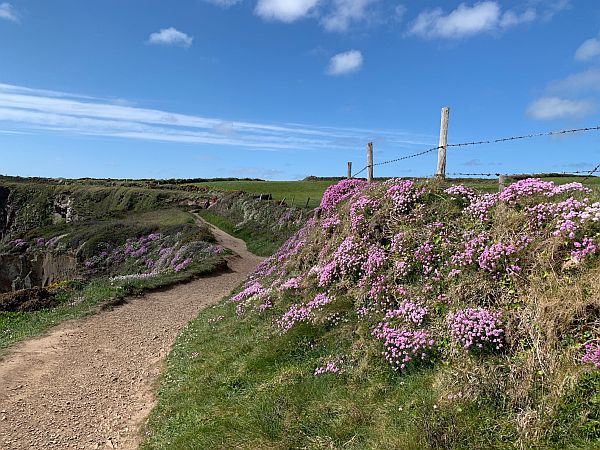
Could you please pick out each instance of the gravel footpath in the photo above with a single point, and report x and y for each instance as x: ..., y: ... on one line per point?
x: 89, y: 383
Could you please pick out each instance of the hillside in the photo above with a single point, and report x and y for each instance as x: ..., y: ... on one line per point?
x: 404, y: 315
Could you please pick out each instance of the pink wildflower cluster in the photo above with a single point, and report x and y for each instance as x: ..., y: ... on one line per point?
x: 302, y: 312
x: 403, y: 194
x: 292, y: 283
x: 532, y: 186
x: 582, y: 249
x: 461, y: 191
x: 360, y: 209
x: 476, y: 327
x: 330, y: 223
x: 403, y: 346
x: 497, y: 255
x: 330, y: 367
x: 410, y: 312
x: 591, y: 353
x: 336, y: 193
x: 347, y: 260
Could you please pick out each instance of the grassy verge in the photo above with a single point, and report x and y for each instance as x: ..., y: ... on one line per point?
x: 232, y: 383
x: 86, y: 299
x: 258, y: 243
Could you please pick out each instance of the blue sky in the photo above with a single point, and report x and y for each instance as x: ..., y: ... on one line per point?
x: 282, y: 89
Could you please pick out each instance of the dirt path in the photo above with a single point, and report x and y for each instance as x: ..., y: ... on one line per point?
x: 90, y: 383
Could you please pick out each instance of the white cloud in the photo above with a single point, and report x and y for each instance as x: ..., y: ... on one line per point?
x: 511, y: 18
x: 7, y: 12
x: 549, y: 108
x: 465, y: 20
x: 224, y: 3
x: 170, y: 36
x: 344, y: 63
x: 344, y: 13
x: 582, y: 82
x: 284, y: 10
x: 590, y: 49
x: 39, y: 111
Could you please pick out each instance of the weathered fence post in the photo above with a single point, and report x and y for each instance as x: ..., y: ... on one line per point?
x: 370, y: 162
x: 307, y: 202
x: 501, y: 182
x: 349, y: 169
x: 441, y: 164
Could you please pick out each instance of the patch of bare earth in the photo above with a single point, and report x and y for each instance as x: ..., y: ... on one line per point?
x: 90, y: 383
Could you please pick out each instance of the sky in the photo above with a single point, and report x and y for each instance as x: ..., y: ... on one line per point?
x: 283, y: 89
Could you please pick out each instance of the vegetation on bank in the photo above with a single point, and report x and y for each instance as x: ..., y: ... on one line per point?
x: 117, y: 257
x: 259, y: 243
x: 408, y: 315
x: 263, y: 224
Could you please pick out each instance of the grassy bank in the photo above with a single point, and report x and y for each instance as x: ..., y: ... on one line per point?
x: 261, y: 244
x: 406, y: 316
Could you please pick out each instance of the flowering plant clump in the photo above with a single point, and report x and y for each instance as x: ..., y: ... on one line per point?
x: 330, y: 367
x: 303, y: 312
x: 591, y: 353
x: 403, y: 194
x: 403, y: 347
x: 401, y: 254
x: 476, y: 327
x: 336, y: 193
x: 409, y: 312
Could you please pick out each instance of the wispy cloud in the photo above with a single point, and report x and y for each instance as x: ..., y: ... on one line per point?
x: 587, y: 81
x: 7, y: 12
x: 550, y: 108
x: 284, y: 10
x: 224, y: 3
x: 590, y: 49
x: 170, y: 36
x: 344, y: 13
x: 24, y: 109
x: 466, y: 21
x: 345, y: 63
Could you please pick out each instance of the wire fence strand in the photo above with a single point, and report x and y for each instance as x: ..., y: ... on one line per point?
x: 495, y: 141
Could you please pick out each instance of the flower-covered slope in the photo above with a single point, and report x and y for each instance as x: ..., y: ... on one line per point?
x: 434, y: 274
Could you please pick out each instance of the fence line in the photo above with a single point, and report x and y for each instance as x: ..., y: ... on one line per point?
x: 492, y: 141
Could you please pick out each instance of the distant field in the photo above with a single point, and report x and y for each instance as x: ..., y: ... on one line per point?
x: 299, y: 192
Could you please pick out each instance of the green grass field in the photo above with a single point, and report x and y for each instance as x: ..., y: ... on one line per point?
x: 301, y: 191
x: 297, y: 191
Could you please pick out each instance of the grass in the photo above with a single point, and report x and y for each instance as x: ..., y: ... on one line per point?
x: 261, y: 244
x: 235, y: 384
x: 297, y: 191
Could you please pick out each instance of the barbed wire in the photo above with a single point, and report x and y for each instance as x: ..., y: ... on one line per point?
x: 460, y: 174
x: 592, y: 172
x: 492, y: 141
x: 526, y: 136
x: 414, y: 155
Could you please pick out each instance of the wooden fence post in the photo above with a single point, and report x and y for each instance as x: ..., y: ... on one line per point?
x: 501, y: 182
x: 349, y: 169
x: 441, y: 164
x: 370, y: 162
